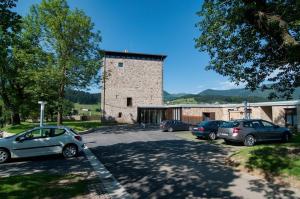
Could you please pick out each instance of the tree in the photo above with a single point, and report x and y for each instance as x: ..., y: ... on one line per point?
x: 10, y: 26
x: 255, y: 42
x: 68, y: 36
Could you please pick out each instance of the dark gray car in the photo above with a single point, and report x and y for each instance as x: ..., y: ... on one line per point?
x: 207, y: 129
x: 174, y: 125
x: 251, y: 131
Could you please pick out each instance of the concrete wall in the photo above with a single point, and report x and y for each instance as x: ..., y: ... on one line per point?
x: 275, y: 114
x: 141, y: 80
x: 279, y: 114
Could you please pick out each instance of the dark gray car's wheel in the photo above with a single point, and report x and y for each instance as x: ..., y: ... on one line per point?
x: 285, y: 137
x: 212, y: 136
x: 70, y: 151
x: 170, y: 129
x: 4, y: 155
x: 249, y: 140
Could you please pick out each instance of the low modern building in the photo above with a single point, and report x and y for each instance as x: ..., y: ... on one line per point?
x: 282, y: 112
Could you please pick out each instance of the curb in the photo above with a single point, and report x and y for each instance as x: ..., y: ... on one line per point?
x: 110, y: 184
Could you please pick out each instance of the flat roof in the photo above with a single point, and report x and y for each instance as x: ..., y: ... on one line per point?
x: 132, y: 55
x: 278, y: 103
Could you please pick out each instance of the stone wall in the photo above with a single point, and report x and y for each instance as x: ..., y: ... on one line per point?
x: 138, y: 79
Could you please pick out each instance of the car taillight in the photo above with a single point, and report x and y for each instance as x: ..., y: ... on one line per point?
x: 77, y: 137
x: 236, y: 130
x: 201, y: 129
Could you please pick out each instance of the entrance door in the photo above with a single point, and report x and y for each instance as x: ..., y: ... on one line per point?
x: 209, y: 116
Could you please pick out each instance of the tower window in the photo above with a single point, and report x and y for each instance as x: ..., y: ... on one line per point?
x: 120, y: 64
x: 120, y: 115
x: 129, y: 101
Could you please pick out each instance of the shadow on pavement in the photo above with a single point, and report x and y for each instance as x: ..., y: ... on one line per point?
x: 178, y: 169
x: 168, y: 169
x: 52, y: 163
x: 271, y: 190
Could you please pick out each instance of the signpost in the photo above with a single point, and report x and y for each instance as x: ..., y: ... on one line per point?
x: 42, y: 103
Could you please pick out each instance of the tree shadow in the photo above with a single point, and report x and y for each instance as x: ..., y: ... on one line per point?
x: 44, y: 185
x: 271, y: 190
x: 52, y: 163
x: 270, y: 160
x: 169, y: 169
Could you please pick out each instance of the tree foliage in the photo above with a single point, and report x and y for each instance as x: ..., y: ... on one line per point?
x: 69, y: 37
x: 254, y: 42
x: 11, y: 90
x: 82, y: 97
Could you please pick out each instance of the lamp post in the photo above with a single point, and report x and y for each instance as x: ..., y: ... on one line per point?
x: 42, y: 103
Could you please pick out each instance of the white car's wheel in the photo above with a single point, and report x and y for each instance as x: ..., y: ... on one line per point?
x: 4, y: 155
x: 70, y: 151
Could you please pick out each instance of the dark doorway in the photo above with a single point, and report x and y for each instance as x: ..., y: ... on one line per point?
x: 209, y: 116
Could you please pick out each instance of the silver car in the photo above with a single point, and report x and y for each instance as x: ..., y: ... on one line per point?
x: 251, y: 131
x: 40, y: 141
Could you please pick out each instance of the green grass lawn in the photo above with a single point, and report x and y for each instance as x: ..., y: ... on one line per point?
x: 43, y: 185
x: 275, y: 159
x: 92, y: 107
x: 76, y: 125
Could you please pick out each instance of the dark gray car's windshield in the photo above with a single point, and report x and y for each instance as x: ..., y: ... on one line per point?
x: 230, y: 124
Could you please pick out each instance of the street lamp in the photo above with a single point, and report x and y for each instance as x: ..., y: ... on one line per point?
x: 42, y: 103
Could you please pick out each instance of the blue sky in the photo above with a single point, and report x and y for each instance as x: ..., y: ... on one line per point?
x: 153, y: 26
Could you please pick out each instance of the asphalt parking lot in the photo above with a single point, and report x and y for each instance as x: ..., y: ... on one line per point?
x: 154, y: 164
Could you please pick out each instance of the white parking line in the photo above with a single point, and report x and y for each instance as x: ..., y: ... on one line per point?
x: 111, y: 185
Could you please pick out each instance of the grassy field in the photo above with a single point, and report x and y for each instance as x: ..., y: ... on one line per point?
x: 43, y: 185
x: 272, y: 159
x: 184, y: 101
x: 76, y: 125
x: 94, y: 109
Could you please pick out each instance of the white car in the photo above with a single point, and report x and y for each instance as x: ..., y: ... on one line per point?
x: 40, y: 141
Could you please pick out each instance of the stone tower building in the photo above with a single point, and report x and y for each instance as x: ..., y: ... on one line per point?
x: 131, y: 80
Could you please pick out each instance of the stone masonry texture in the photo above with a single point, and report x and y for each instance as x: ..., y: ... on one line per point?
x: 139, y: 79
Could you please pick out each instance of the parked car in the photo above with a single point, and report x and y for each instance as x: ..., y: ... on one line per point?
x: 251, y: 131
x: 207, y: 129
x: 40, y: 141
x: 174, y: 125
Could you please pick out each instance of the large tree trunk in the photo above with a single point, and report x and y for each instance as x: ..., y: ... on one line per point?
x: 15, y: 118
x: 61, y: 95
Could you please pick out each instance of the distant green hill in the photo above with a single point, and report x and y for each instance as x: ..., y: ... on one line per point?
x: 223, y: 96
x: 245, y: 93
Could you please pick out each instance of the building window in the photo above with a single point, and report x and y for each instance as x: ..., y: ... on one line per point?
x: 120, y: 64
x: 129, y: 101
x: 120, y: 115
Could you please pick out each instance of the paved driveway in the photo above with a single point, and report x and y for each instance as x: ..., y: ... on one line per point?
x: 154, y: 164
